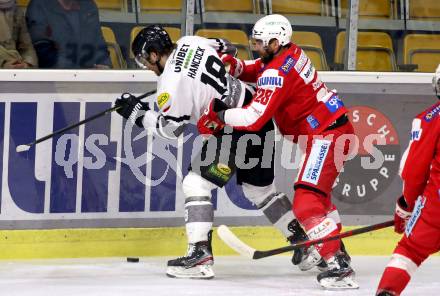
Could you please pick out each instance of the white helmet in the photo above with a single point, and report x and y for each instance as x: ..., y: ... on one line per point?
x: 274, y: 26
x: 436, y: 81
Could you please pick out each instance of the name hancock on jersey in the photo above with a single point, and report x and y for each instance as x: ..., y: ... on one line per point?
x: 195, y: 62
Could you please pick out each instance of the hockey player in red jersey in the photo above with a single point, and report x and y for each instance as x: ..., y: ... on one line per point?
x: 417, y: 212
x: 290, y: 91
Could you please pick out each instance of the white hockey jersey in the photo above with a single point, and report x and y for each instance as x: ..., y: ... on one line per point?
x: 193, y: 75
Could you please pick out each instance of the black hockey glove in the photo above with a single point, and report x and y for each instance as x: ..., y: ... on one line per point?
x: 131, y: 108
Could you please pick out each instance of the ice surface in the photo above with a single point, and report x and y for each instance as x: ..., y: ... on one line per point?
x: 234, y: 276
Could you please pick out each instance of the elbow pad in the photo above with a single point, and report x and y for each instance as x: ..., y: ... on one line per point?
x: 168, y: 128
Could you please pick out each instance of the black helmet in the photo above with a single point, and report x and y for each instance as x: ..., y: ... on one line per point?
x: 153, y: 37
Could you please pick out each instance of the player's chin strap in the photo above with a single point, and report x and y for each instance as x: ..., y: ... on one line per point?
x: 159, y: 66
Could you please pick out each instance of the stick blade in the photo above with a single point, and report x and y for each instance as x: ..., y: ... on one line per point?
x: 22, y: 148
x: 230, y: 239
x: 263, y: 254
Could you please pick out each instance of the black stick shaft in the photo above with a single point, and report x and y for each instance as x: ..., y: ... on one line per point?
x: 263, y: 254
x: 93, y: 117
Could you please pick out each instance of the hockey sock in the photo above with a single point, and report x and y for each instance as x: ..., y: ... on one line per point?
x: 397, y: 274
x: 393, y: 280
x: 334, y: 214
x: 276, y: 206
x: 199, y: 214
x: 278, y: 211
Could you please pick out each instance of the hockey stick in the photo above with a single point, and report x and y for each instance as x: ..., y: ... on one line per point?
x: 26, y: 147
x: 240, y: 247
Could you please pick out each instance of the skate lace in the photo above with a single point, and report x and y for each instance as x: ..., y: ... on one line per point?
x: 189, y: 251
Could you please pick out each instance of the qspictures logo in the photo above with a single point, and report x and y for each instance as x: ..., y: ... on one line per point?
x: 376, y: 163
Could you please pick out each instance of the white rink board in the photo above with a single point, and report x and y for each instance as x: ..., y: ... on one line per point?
x: 234, y: 276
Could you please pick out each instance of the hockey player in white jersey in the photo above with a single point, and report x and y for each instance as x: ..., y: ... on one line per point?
x: 190, y: 76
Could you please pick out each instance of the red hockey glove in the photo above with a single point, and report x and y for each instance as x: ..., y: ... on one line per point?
x: 233, y: 65
x: 211, y: 122
x: 401, y: 215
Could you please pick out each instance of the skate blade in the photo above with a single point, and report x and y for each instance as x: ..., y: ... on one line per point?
x: 346, y: 283
x: 197, y: 272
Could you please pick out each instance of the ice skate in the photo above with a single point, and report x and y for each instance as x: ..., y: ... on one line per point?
x: 310, y: 259
x: 197, y: 264
x: 322, y: 266
x: 339, y: 276
x: 305, y: 258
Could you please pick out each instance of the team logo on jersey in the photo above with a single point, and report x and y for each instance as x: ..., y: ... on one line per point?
x: 224, y: 169
x: 315, y: 162
x: 308, y: 72
x: 417, y: 212
x: 302, y: 61
x: 270, y: 79
x: 162, y: 99
x: 317, y: 84
x: 312, y: 121
x: 289, y: 62
x: 219, y: 172
x: 180, y: 57
x: 334, y: 103
x: 188, y: 58
x: 415, y: 135
x: 374, y: 161
x: 432, y: 113
x: 416, y: 130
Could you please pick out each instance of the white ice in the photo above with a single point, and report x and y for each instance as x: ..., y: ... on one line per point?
x: 234, y: 276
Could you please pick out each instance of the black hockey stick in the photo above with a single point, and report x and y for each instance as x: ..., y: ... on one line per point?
x: 26, y: 147
x: 240, y: 247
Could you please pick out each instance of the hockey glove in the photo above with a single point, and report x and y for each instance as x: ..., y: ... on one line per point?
x: 131, y: 108
x: 401, y: 215
x: 212, y: 119
x: 233, y: 65
x: 223, y: 46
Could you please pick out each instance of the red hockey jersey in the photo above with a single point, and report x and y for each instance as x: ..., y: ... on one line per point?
x: 420, y: 164
x: 290, y: 91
